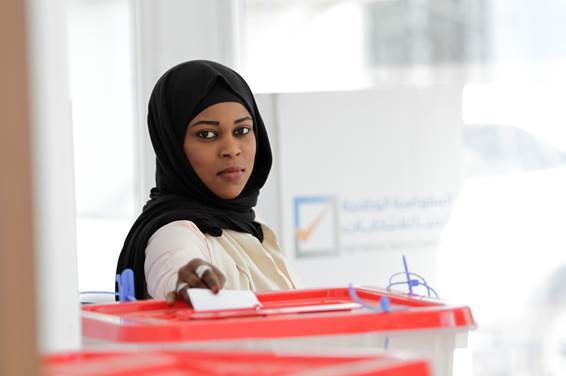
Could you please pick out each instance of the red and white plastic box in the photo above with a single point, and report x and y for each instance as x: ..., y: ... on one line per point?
x: 319, y: 320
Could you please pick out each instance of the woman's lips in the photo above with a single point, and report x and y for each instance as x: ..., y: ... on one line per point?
x: 231, y: 174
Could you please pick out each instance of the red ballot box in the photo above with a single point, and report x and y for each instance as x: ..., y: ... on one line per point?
x: 199, y: 363
x: 297, y: 320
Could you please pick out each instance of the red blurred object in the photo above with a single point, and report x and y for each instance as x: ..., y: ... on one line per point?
x: 198, y: 363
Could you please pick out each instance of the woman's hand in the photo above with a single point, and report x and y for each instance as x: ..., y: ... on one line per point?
x: 196, y: 274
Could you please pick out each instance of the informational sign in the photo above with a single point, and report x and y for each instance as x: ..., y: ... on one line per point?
x: 329, y: 224
x: 364, y: 177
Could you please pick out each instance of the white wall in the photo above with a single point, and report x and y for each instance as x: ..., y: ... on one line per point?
x: 102, y: 95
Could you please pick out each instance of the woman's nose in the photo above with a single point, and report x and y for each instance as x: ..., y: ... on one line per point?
x: 230, y: 148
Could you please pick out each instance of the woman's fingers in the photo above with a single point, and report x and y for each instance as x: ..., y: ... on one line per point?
x: 196, y: 274
x: 210, y: 279
x: 208, y: 274
x: 187, y: 274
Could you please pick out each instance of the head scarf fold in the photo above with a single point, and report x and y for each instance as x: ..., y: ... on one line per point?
x: 178, y: 96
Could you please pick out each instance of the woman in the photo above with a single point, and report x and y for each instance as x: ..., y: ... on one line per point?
x: 199, y: 229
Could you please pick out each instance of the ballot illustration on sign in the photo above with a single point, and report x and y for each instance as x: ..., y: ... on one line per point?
x: 316, y: 224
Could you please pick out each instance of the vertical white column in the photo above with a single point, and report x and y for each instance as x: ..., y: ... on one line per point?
x: 54, y: 203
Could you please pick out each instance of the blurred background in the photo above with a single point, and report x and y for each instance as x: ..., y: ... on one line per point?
x: 481, y: 83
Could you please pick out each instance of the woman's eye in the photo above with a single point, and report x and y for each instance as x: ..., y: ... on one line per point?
x: 206, y: 134
x: 242, y: 131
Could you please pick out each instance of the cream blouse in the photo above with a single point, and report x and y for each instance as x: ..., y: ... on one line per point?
x: 246, y: 263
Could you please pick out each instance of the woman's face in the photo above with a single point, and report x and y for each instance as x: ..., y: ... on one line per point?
x: 220, y: 145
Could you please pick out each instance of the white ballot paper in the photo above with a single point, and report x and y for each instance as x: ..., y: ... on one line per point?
x: 206, y: 300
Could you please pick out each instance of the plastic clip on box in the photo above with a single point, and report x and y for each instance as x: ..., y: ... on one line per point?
x: 313, y: 320
x: 198, y: 363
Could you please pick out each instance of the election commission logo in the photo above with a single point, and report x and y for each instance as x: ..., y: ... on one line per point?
x: 315, y: 225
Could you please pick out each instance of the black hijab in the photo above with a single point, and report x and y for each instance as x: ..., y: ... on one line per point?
x: 178, y: 96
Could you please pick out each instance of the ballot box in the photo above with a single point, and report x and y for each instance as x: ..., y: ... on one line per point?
x: 199, y: 363
x: 305, y: 321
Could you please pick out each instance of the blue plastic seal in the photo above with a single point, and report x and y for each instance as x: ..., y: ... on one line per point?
x: 411, y: 280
